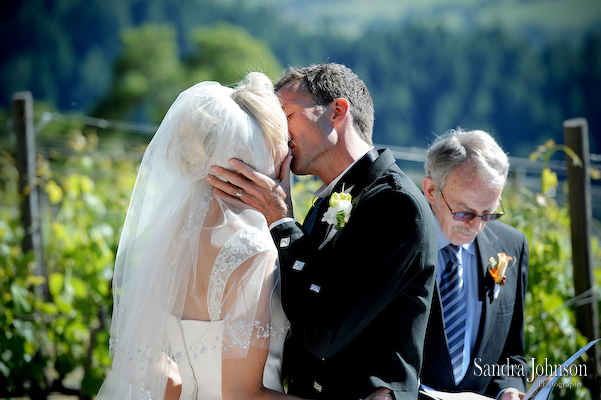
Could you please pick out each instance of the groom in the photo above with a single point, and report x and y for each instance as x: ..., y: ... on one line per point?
x: 356, y: 289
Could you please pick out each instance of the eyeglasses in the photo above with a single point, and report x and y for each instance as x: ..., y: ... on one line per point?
x: 464, y: 217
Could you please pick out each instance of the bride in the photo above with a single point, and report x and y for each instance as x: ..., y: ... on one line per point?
x: 197, y: 311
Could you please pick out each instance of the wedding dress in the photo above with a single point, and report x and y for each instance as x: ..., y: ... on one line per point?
x: 198, y: 345
x: 201, y: 377
x: 196, y: 278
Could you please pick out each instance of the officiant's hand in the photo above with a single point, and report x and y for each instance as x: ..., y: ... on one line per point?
x: 259, y: 191
x: 512, y: 394
x: 381, y: 394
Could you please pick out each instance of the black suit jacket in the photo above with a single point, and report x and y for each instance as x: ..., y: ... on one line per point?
x: 359, y: 306
x: 500, y: 337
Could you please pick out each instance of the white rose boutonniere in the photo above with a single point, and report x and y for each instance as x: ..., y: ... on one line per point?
x: 339, y: 211
x: 338, y: 214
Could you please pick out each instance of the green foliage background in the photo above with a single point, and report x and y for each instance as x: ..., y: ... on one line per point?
x: 424, y: 80
x: 47, y: 341
x: 149, y: 73
x: 505, y: 76
x: 60, y: 343
x: 549, y: 321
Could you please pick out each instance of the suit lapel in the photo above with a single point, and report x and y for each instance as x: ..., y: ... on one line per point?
x: 365, y: 171
x: 351, y: 178
x: 440, y: 342
x: 359, y: 177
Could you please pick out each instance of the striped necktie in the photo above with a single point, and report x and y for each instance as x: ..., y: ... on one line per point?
x: 454, y: 308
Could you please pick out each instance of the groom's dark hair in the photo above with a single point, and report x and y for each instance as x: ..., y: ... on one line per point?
x: 330, y: 81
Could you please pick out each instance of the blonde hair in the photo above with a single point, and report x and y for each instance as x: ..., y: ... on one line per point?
x: 255, y: 95
x: 215, y: 123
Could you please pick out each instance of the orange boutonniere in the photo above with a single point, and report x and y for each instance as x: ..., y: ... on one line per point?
x: 497, y: 270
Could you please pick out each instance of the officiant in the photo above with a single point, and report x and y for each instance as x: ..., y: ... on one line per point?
x: 477, y: 317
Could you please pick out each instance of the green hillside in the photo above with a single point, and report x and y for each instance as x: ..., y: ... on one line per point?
x: 551, y: 19
x: 515, y: 68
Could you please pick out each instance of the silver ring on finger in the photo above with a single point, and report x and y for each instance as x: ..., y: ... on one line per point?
x: 239, y: 193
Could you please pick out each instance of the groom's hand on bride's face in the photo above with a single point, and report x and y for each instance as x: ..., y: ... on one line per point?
x: 254, y: 188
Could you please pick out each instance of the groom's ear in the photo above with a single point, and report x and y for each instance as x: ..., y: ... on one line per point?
x: 340, y: 110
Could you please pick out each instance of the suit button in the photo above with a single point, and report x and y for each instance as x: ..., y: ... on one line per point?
x: 317, y: 386
x: 298, y: 265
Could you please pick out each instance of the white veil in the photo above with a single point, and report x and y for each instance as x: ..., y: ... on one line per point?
x: 186, y: 254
